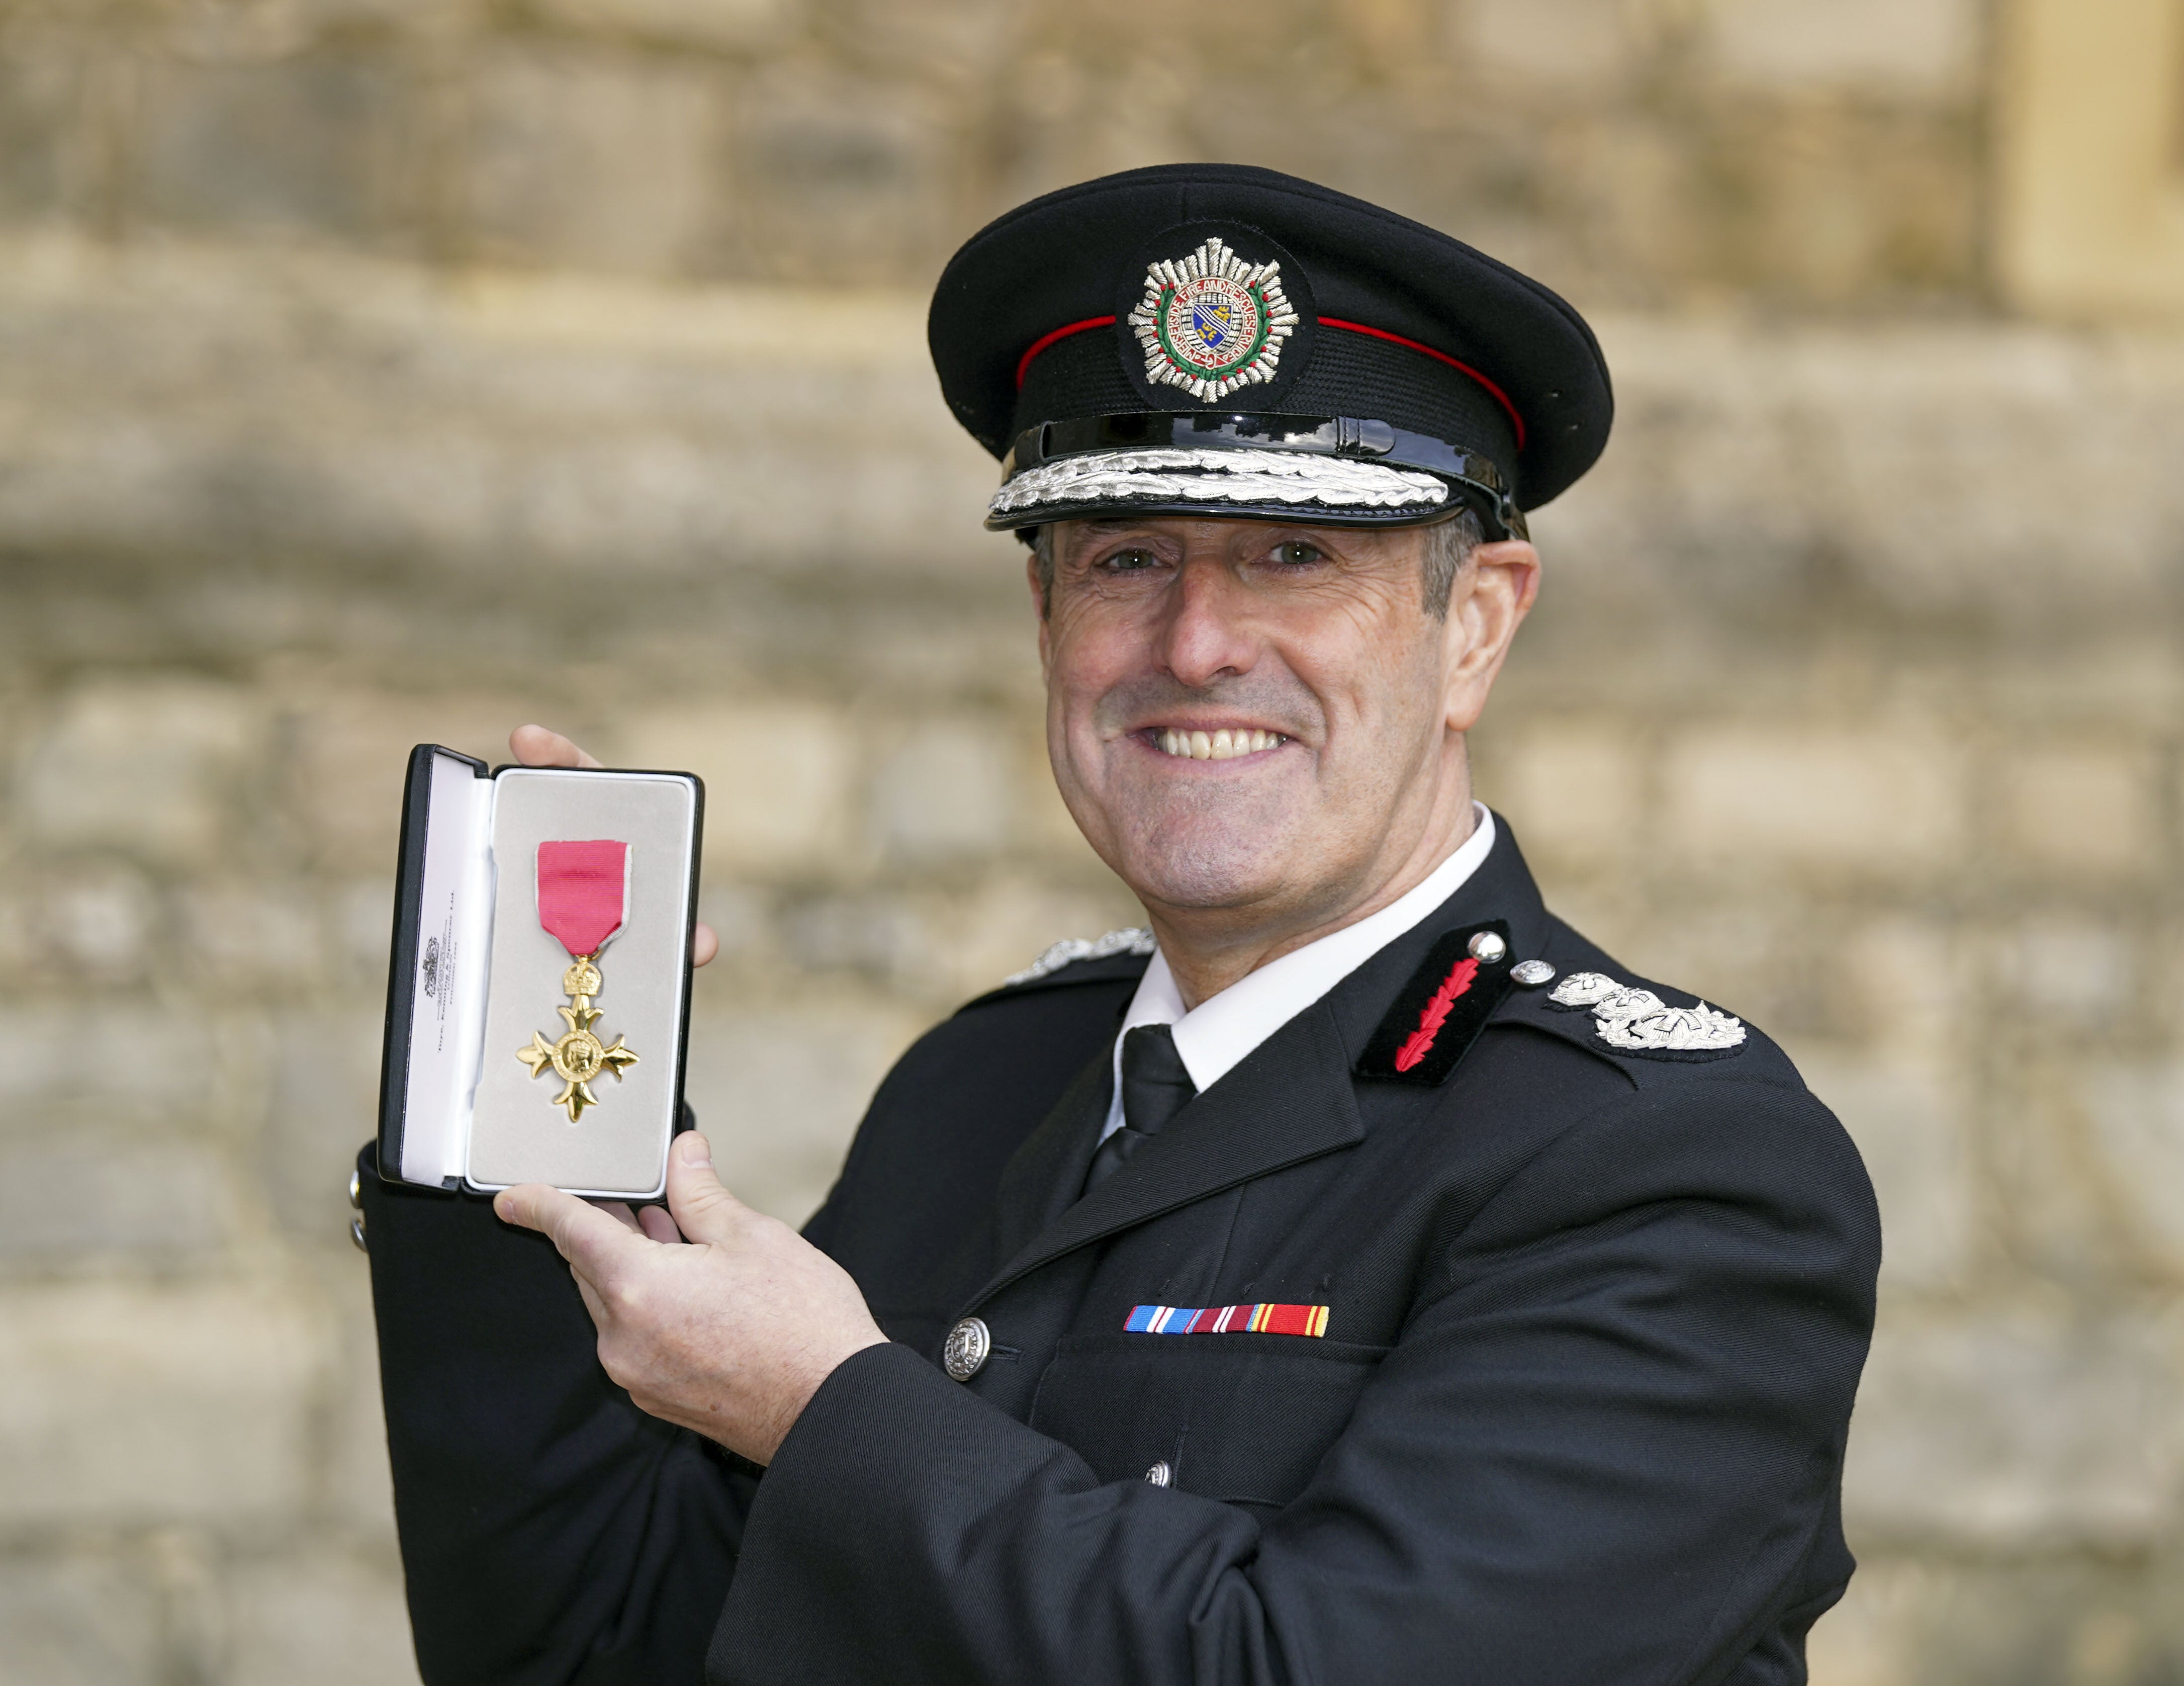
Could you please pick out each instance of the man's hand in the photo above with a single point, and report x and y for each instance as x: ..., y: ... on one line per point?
x: 730, y: 1332
x: 537, y: 746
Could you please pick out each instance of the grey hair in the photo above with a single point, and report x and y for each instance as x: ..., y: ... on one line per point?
x: 1449, y: 546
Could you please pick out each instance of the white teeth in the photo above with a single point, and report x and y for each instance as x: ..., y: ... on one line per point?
x: 1224, y: 745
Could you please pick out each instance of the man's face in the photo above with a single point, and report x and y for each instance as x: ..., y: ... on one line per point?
x: 1266, y: 719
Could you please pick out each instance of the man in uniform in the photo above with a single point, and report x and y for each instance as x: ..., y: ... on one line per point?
x: 1359, y: 1277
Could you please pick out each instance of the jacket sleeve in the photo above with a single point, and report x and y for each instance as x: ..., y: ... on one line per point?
x: 552, y: 1533
x: 1605, y: 1449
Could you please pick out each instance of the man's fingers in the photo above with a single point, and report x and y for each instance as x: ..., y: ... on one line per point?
x: 619, y: 1212
x: 537, y: 746
x: 584, y: 1236
x: 658, y: 1225
x: 703, y: 945
x: 704, y: 1210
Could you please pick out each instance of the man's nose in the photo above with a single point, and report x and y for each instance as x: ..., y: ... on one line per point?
x: 1205, y: 633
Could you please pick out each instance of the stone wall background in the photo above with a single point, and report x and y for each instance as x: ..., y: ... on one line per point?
x: 377, y: 370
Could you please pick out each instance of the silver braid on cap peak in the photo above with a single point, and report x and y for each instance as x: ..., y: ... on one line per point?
x: 1130, y: 940
x: 1218, y: 477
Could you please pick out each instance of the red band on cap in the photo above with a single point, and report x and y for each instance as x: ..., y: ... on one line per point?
x: 1023, y: 363
x: 1500, y: 397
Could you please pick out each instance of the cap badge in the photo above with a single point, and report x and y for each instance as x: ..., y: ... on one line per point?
x: 1212, y: 322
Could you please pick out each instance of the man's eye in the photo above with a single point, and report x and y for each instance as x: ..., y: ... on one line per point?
x: 1128, y: 561
x: 1296, y: 553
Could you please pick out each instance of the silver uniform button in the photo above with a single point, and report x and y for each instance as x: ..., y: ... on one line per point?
x: 356, y: 1233
x: 356, y: 1191
x: 1158, y: 1475
x: 1532, y: 974
x: 1487, y: 947
x: 968, y: 1343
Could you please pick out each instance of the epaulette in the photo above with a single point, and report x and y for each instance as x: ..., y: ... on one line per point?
x: 1130, y: 940
x: 1637, y: 1022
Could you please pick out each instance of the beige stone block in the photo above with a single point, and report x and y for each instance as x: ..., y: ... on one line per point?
x: 2013, y: 1430
x: 1879, y: 1634
x: 2136, y: 1112
x: 104, y: 1193
x: 358, y: 1482
x: 1886, y: 801
x: 1912, y: 982
x: 258, y: 933
x: 321, y: 1618
x: 362, y: 925
x: 778, y: 1089
x: 1907, y: 1116
x: 1906, y: 48
x: 778, y: 779
x: 1864, y: 1641
x: 1572, y: 788
x: 947, y: 792
x: 112, y: 1059
x: 1043, y: 818
x: 2086, y: 102
x: 838, y: 176
x: 147, y: 765
x: 2081, y: 811
x: 895, y: 937
x: 295, y: 141
x: 2070, y: 971
x: 101, y: 926
x: 1007, y: 924
x: 731, y: 24
x: 1566, y: 43
x: 127, y: 1405
x: 324, y: 1105
x: 597, y: 161
x: 79, y: 1619
x: 352, y: 752
x: 42, y: 90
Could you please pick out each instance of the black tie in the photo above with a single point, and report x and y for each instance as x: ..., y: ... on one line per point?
x: 1154, y: 1087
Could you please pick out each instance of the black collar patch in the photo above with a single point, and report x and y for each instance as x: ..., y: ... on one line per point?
x: 1443, y: 1008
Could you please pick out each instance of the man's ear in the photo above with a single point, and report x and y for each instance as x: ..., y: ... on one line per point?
x: 1494, y: 592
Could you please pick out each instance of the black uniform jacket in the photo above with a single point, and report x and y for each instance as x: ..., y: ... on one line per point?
x: 1595, y: 1323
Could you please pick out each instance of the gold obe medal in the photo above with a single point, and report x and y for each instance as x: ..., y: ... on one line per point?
x: 583, y: 894
x: 579, y: 1055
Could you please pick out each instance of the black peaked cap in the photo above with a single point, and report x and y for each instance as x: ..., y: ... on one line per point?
x: 1387, y: 321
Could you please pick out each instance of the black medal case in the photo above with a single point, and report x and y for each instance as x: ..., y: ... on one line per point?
x: 476, y: 984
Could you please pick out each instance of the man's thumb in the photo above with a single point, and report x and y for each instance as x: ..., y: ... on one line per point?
x: 701, y: 1206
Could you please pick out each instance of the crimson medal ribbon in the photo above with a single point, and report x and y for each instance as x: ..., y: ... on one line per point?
x: 583, y: 892
x: 583, y: 898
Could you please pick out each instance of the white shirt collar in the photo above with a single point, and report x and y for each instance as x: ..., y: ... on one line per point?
x: 1214, y: 1037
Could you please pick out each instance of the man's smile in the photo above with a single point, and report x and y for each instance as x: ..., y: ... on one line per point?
x: 1219, y: 743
